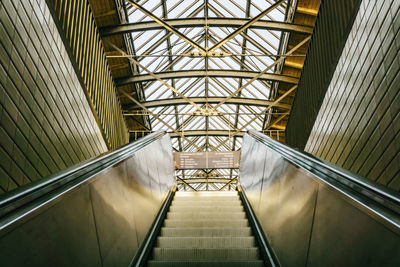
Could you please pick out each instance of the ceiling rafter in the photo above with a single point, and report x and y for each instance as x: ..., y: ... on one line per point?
x: 203, y: 100
x: 164, y: 24
x: 209, y: 71
x: 199, y: 22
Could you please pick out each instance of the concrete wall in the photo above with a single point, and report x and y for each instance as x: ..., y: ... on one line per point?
x: 358, y: 124
x: 46, y: 123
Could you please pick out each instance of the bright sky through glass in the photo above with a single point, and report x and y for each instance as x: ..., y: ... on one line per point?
x: 160, y: 51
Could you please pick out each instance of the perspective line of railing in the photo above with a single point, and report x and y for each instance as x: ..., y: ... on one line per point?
x: 65, y: 180
x: 385, y: 203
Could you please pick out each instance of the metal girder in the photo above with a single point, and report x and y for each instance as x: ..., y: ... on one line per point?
x: 246, y: 25
x: 166, y: 25
x: 204, y: 133
x: 204, y: 73
x: 199, y: 22
x: 158, y: 118
x: 154, y: 76
x: 259, y: 75
x: 210, y: 180
x: 264, y: 111
x: 275, y: 121
x: 203, y: 100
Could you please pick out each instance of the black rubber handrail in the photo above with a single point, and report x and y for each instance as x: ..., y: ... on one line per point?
x: 144, y: 252
x: 67, y: 179
x: 383, y: 201
x: 266, y: 250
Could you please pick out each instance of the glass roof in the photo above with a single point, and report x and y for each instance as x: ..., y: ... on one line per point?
x: 201, y: 53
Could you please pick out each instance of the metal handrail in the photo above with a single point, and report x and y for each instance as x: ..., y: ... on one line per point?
x: 266, y: 250
x: 72, y: 176
x: 144, y: 251
x: 358, y: 188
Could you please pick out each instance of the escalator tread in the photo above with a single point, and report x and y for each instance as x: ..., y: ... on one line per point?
x: 206, y: 229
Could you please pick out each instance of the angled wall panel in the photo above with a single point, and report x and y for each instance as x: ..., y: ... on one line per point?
x: 358, y: 125
x: 46, y: 123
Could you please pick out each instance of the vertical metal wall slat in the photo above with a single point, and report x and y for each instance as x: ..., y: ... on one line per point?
x: 330, y: 32
x: 81, y: 32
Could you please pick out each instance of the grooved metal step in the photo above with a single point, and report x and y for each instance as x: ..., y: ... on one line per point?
x: 205, y: 242
x: 205, y: 223
x: 205, y: 215
x: 206, y: 203
x: 206, y: 231
x: 214, y: 263
x: 206, y: 198
x: 205, y: 193
x: 236, y: 208
x: 206, y: 253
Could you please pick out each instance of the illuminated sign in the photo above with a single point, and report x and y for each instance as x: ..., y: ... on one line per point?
x: 206, y: 160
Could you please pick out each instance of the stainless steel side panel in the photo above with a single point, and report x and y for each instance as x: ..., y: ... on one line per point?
x: 62, y: 235
x: 308, y: 222
x: 100, y: 224
x: 343, y: 235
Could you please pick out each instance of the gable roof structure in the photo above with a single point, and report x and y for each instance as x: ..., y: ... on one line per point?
x: 206, y: 71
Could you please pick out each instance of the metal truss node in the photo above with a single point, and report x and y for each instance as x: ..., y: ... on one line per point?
x: 207, y: 71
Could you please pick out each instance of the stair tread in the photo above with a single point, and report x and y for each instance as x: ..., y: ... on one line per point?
x: 202, y: 201
x: 206, y: 231
x: 206, y: 193
x: 202, y: 215
x: 206, y: 220
x: 208, y: 209
x: 218, y: 263
x: 206, y: 253
x: 205, y: 242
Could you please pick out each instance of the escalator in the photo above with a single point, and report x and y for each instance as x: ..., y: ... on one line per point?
x: 122, y: 209
x: 206, y: 229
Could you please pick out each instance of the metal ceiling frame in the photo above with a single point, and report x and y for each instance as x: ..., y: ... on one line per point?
x: 207, y: 74
x: 199, y: 22
x: 203, y: 100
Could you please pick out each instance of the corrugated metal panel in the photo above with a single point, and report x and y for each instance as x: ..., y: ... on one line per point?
x: 332, y: 27
x: 358, y: 125
x: 77, y: 22
x: 46, y: 123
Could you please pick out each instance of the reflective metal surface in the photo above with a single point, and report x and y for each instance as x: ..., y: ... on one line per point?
x: 310, y: 220
x: 101, y: 222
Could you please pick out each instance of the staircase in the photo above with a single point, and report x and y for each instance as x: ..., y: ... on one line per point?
x: 206, y: 229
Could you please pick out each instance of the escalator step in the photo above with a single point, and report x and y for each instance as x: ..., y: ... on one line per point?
x: 205, y: 242
x: 199, y: 214
x: 206, y: 231
x: 212, y: 203
x: 205, y: 253
x: 206, y: 193
x: 205, y: 223
x: 208, y: 209
x: 239, y: 263
x: 207, y: 198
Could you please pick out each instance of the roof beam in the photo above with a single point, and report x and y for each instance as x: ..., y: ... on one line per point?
x: 204, y: 73
x: 203, y: 100
x: 210, y: 180
x: 307, y: 11
x: 264, y: 111
x: 272, y: 124
x: 199, y: 22
x: 214, y: 133
x: 166, y: 25
x: 245, y: 26
x: 259, y: 75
